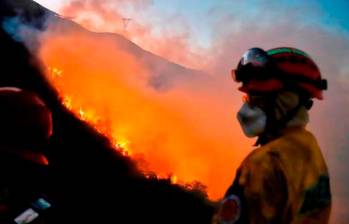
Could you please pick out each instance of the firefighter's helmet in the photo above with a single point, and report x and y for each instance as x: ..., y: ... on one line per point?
x: 278, y: 69
x: 25, y: 121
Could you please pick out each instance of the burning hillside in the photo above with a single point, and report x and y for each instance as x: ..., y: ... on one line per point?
x: 204, y: 103
x: 171, y: 120
x: 90, y: 181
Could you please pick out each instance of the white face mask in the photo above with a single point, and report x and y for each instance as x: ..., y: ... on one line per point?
x: 252, y: 120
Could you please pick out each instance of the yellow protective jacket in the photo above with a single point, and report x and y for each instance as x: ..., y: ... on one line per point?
x: 284, y: 181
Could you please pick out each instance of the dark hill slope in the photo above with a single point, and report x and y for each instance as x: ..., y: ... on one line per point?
x: 90, y: 182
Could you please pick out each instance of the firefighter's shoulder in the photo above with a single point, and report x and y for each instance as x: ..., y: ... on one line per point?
x: 258, y: 165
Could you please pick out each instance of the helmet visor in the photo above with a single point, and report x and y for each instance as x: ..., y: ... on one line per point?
x: 253, y: 64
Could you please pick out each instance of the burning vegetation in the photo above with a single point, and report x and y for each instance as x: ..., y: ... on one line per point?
x: 172, y: 121
x: 104, y: 126
x: 89, y: 181
x: 101, y: 124
x: 167, y: 128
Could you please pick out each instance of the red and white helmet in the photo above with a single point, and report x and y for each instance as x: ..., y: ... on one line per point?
x: 277, y: 69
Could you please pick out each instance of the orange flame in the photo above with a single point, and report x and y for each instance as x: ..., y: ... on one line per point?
x: 183, y: 134
x: 88, y: 114
x: 120, y: 144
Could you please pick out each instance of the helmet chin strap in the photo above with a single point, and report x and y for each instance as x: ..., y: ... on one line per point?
x: 266, y: 136
x: 274, y: 126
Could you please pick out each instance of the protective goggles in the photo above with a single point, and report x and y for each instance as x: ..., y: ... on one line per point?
x: 255, y: 63
x: 258, y: 64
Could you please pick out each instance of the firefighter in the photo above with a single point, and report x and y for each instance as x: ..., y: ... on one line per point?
x: 285, y: 179
x: 25, y: 127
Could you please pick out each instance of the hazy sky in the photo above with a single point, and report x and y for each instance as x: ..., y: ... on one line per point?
x: 199, y: 14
